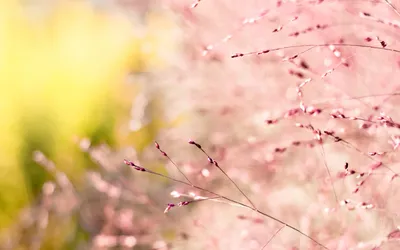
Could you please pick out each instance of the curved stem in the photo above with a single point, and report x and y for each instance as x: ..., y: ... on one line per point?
x: 235, y: 202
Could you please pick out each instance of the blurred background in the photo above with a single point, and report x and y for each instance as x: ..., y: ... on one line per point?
x: 74, y: 75
x: 85, y: 84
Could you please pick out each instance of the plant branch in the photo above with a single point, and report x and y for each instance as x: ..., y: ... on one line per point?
x: 139, y: 168
x: 212, y: 161
x: 260, y: 52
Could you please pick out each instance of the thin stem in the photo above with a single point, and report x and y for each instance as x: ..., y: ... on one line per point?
x: 205, y: 199
x: 228, y: 199
x: 326, y: 167
x: 260, y: 52
x: 273, y: 236
x: 349, y: 145
x: 352, y: 98
x: 392, y: 6
x: 169, y: 158
x: 329, y: 173
x: 173, y: 163
x: 227, y: 176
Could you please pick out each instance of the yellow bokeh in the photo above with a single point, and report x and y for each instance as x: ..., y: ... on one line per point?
x: 61, y: 73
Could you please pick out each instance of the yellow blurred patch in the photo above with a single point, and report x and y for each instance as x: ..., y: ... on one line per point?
x: 57, y: 74
x: 61, y: 69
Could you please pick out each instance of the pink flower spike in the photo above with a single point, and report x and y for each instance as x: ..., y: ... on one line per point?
x: 169, y: 206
